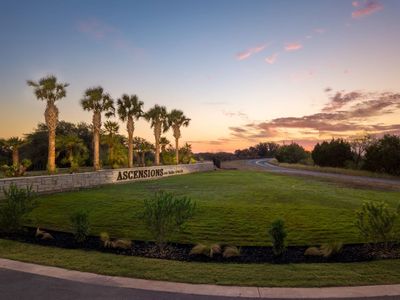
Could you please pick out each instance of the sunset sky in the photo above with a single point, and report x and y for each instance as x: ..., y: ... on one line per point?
x: 243, y: 71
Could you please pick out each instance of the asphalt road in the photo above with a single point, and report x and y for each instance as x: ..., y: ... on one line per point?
x: 264, y: 163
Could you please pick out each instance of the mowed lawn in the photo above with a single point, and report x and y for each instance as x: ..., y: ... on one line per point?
x: 234, y: 207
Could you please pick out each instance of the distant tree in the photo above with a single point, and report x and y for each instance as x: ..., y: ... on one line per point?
x: 358, y: 146
x: 335, y: 153
x: 98, y: 102
x: 383, y: 155
x: 75, y: 150
x: 143, y: 147
x: 13, y: 145
x: 49, y: 90
x: 292, y: 153
x: 129, y: 110
x: 176, y: 120
x: 110, y: 139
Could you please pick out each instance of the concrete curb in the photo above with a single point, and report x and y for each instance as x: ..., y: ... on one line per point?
x: 204, y: 289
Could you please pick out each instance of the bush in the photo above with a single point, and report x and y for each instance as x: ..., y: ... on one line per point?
x: 278, y: 234
x: 81, y: 225
x: 231, y: 251
x: 331, y: 249
x: 206, y: 250
x: 16, y: 205
x: 166, y: 214
x: 336, y: 153
x: 16, y: 170
x: 118, y: 243
x: 292, y: 153
x: 312, y: 251
x: 376, y: 222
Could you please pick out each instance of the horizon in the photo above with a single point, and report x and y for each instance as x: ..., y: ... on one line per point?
x: 244, y: 72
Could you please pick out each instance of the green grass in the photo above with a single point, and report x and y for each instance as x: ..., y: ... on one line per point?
x: 291, y: 275
x: 234, y: 207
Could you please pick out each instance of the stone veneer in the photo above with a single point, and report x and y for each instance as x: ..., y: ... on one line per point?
x: 69, y: 182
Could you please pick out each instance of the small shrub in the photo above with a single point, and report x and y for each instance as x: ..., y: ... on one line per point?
x: 313, y: 251
x: 278, y: 235
x: 231, y: 251
x: 331, y: 249
x: 43, y: 235
x: 105, y: 238
x: 166, y: 214
x: 16, y: 170
x: 17, y: 204
x: 209, y: 251
x: 81, y: 225
x: 376, y: 222
x: 121, y: 244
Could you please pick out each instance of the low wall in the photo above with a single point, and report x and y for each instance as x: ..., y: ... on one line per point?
x: 69, y: 182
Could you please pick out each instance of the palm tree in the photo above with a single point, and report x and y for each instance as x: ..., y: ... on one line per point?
x: 49, y: 90
x: 164, y: 142
x: 130, y: 109
x: 96, y: 100
x: 75, y: 150
x: 13, y: 144
x: 142, y: 146
x: 158, y: 118
x: 111, y: 129
x: 176, y: 119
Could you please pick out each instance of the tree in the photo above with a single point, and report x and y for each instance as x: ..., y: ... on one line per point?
x: 292, y: 153
x: 110, y: 138
x: 176, y: 120
x: 142, y: 147
x: 186, y: 153
x: 335, y: 153
x: 358, y: 146
x: 164, y: 142
x: 130, y: 109
x: 13, y: 144
x: 75, y: 150
x: 98, y: 102
x: 157, y: 115
x: 49, y: 90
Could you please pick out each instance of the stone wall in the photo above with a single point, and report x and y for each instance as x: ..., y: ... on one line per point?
x: 69, y: 182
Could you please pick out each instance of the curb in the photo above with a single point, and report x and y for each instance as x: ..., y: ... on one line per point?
x: 204, y: 289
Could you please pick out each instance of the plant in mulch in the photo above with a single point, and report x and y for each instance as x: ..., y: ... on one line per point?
x: 376, y: 222
x: 206, y: 250
x: 231, y: 251
x: 278, y: 234
x: 114, y: 243
x: 43, y: 235
x: 17, y: 204
x: 166, y: 214
x: 326, y: 250
x: 81, y: 225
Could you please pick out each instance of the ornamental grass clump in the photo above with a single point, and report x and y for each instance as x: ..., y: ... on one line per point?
x: 231, y: 251
x: 206, y: 250
x: 278, y: 234
x: 17, y: 204
x: 114, y: 243
x: 81, y: 225
x: 166, y: 214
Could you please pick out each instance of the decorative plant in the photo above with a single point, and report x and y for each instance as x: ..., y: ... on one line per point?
x: 165, y: 214
x: 118, y: 243
x: 81, y: 225
x: 278, y: 235
x: 17, y: 204
x: 206, y: 250
x: 231, y: 251
x: 16, y: 170
x: 331, y: 249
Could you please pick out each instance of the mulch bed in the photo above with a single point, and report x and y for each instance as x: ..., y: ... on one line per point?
x: 180, y: 252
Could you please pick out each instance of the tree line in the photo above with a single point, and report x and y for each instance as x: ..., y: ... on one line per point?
x: 70, y: 144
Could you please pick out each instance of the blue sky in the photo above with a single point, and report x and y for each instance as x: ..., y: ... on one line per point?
x: 223, y: 62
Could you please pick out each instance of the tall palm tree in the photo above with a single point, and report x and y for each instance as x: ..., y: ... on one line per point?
x: 111, y: 129
x: 13, y: 144
x: 176, y: 119
x: 98, y: 102
x: 130, y: 109
x: 157, y: 115
x: 49, y: 90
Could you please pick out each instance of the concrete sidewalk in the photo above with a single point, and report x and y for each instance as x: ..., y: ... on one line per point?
x: 166, y: 290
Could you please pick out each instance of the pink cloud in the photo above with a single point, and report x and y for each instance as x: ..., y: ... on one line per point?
x: 272, y: 58
x: 293, y: 46
x: 366, y: 9
x: 355, y: 3
x: 249, y: 52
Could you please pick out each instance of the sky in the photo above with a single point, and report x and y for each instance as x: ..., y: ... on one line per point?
x: 243, y: 71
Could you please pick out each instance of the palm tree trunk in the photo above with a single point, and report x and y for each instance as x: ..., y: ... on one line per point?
x: 177, y: 150
x: 96, y: 140
x: 157, y: 135
x: 51, y: 117
x: 15, y: 156
x: 143, y: 154
x: 111, y: 155
x: 130, y: 130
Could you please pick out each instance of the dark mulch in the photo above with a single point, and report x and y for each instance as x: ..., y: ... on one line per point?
x: 174, y: 251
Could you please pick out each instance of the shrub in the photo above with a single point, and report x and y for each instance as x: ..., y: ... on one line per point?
x: 336, y: 153
x: 231, y: 251
x: 292, y: 153
x: 376, y: 221
x: 278, y: 234
x: 118, y: 243
x: 331, y: 249
x: 16, y: 170
x: 81, y: 225
x: 17, y: 204
x: 166, y: 214
x: 206, y: 250
x: 313, y: 251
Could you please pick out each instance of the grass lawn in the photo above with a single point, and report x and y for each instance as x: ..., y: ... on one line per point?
x: 234, y: 207
x: 291, y: 275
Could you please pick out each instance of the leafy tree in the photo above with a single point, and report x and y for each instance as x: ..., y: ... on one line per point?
x: 49, y: 90
x: 383, y: 155
x: 332, y: 154
x: 98, y: 102
x: 292, y: 153
x: 176, y: 120
x: 129, y: 110
x: 359, y: 146
x: 157, y: 116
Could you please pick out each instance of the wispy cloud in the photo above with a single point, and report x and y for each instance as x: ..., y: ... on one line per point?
x: 233, y: 114
x: 293, y: 46
x: 249, y: 52
x: 272, y: 58
x: 320, y: 30
x: 366, y: 8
